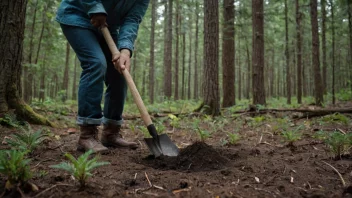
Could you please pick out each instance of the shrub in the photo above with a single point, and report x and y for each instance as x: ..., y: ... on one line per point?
x: 81, y: 167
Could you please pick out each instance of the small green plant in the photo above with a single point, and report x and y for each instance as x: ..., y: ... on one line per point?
x: 203, y: 134
x: 320, y: 135
x: 233, y: 138
x: 10, y: 120
x: 81, y: 167
x: 26, y: 140
x: 336, y: 118
x: 338, y: 143
x: 291, y: 136
x: 256, y: 121
x: 15, y: 166
x: 174, y: 121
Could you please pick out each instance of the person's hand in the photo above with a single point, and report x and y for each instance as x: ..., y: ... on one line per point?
x: 98, y: 20
x: 122, y: 60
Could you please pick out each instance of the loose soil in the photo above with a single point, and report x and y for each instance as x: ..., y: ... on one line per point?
x: 260, y: 165
x: 196, y: 157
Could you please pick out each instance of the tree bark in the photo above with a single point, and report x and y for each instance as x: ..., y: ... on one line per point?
x: 323, y: 41
x: 67, y: 63
x: 228, y: 54
x: 299, y: 53
x: 74, y: 84
x: 151, y: 54
x: 168, y: 53
x: 12, y: 24
x: 258, y: 52
x: 42, y: 80
x: 287, y: 55
x: 333, y: 51
x: 315, y: 54
x: 211, y: 64
x: 177, y: 20
x: 28, y: 78
x: 248, y: 70
x: 195, y: 95
x: 183, y: 64
x: 349, y: 3
x: 190, y: 58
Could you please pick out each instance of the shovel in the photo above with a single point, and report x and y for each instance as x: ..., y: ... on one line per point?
x: 159, y: 144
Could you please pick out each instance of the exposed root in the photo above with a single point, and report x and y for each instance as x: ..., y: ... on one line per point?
x: 338, y: 173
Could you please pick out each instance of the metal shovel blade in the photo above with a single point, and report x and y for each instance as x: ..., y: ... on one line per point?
x: 164, y: 147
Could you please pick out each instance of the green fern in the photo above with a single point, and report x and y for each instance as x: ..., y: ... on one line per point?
x: 233, y: 138
x: 338, y: 143
x: 81, y: 167
x: 26, y: 140
x: 203, y: 134
x: 292, y: 136
x: 15, y: 166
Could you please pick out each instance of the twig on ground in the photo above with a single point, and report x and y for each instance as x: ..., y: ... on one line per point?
x: 150, y: 184
x: 338, y: 173
x: 260, y: 139
x: 54, y: 186
x: 135, y: 177
x: 47, y: 159
x: 20, y: 191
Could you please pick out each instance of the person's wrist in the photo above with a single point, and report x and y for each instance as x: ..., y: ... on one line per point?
x: 126, y: 51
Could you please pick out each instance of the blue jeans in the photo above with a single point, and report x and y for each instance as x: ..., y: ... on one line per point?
x: 95, y: 58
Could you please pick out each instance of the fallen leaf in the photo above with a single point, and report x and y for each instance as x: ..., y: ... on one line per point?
x: 71, y: 130
x: 57, y: 137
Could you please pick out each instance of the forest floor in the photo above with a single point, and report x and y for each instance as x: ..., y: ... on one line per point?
x: 259, y: 164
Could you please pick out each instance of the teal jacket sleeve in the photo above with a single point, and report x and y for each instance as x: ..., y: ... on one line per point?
x: 93, y: 7
x: 129, y: 28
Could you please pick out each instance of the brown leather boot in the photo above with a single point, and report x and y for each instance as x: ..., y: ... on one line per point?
x: 111, y: 137
x: 89, y: 140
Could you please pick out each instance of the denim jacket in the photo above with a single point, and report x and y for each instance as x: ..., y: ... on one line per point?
x: 124, y: 16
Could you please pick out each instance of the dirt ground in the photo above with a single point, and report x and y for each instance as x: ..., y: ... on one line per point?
x: 260, y: 165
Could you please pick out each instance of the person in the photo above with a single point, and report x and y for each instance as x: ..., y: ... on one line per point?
x: 80, y: 22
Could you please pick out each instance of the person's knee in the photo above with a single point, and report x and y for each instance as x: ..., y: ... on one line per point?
x: 98, y: 66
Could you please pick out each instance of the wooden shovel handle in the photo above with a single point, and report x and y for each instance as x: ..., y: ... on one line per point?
x: 136, y: 96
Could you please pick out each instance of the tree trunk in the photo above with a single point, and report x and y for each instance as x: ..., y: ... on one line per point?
x: 151, y: 54
x: 177, y: 20
x: 323, y: 40
x: 258, y: 52
x: 315, y: 54
x: 183, y: 64
x: 67, y: 63
x: 228, y: 54
x: 27, y: 80
x: 211, y: 64
x: 74, y: 84
x: 333, y: 51
x: 272, y: 74
x: 248, y: 70
x: 239, y: 63
x: 287, y: 54
x: 12, y: 24
x: 299, y: 53
x: 195, y: 95
x: 190, y: 58
x: 168, y: 53
x: 349, y: 3
x: 42, y: 80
